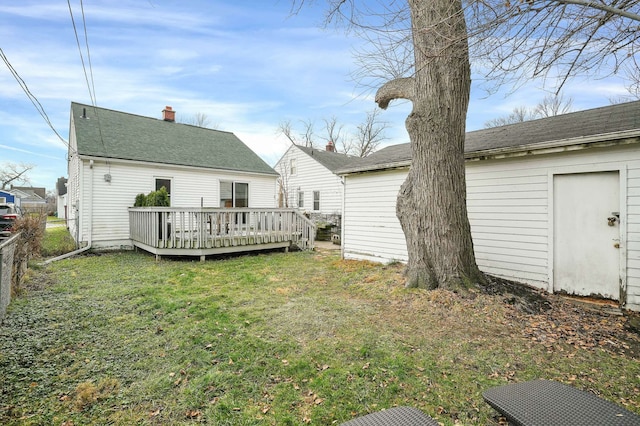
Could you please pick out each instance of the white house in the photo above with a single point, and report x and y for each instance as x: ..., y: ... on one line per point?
x: 554, y: 203
x: 308, y: 180
x: 113, y: 156
x: 61, y: 198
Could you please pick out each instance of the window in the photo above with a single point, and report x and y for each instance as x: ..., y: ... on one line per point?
x: 300, y: 199
x: 293, y: 168
x: 234, y: 194
x: 160, y: 182
x: 316, y: 200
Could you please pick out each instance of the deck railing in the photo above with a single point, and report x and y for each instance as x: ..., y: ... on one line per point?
x: 211, y: 230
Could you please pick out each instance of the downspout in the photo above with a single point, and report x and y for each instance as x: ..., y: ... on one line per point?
x: 90, y: 208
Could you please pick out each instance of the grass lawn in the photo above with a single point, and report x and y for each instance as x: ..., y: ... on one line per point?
x: 57, y: 240
x: 283, y: 339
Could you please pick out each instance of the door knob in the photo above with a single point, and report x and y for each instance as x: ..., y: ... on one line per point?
x: 611, y: 220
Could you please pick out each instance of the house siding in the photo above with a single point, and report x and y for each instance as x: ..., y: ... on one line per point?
x: 371, y: 230
x: 509, y: 202
x: 73, y: 185
x: 310, y: 176
x: 190, y: 187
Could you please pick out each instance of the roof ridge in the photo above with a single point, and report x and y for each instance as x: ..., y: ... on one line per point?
x: 147, y: 117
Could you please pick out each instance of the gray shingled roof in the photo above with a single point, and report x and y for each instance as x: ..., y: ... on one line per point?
x: 331, y: 160
x: 521, y: 136
x: 119, y: 135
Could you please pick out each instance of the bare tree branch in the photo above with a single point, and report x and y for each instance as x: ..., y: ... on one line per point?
x: 304, y: 138
x: 604, y: 7
x: 400, y: 88
x: 370, y: 134
x: 550, y: 106
x: 12, y: 174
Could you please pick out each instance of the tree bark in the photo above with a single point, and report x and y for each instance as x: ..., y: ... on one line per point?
x: 431, y: 204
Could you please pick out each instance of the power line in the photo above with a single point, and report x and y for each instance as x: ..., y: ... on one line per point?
x: 34, y: 100
x: 86, y: 42
x: 84, y: 68
x: 90, y: 85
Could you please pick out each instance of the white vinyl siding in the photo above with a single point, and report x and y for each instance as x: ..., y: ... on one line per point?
x: 508, y: 212
x: 371, y: 230
x: 191, y: 187
x: 509, y: 202
x: 633, y: 234
x: 310, y: 176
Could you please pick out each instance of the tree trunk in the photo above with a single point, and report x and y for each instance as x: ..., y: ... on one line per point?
x: 431, y: 205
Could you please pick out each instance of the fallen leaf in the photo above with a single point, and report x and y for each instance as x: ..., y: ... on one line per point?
x: 192, y: 414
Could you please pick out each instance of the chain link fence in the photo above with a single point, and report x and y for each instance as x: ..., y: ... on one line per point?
x: 7, y: 251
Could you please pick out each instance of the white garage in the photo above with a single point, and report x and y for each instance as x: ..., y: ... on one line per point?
x: 553, y: 203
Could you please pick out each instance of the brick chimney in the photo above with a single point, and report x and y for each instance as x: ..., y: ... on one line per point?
x: 330, y: 147
x: 168, y: 114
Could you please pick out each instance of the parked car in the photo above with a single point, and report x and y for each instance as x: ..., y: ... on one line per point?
x: 8, y: 215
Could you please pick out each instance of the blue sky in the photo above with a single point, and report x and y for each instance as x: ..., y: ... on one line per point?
x: 247, y: 65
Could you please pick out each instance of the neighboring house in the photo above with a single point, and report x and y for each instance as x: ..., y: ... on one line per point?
x: 553, y: 203
x: 30, y: 198
x: 308, y: 181
x: 61, y: 198
x: 7, y: 197
x: 113, y: 156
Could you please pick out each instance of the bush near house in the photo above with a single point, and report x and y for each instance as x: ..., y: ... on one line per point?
x: 159, y: 198
x: 31, y: 229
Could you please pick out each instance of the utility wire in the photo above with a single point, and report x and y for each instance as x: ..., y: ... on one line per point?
x: 34, y: 100
x: 84, y: 68
x: 86, y: 43
x: 90, y: 85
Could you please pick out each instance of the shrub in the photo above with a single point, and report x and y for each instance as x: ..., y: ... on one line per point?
x: 159, y: 198
x: 31, y: 229
x: 141, y: 200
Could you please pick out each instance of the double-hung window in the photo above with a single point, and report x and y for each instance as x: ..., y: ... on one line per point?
x: 166, y: 183
x: 316, y: 200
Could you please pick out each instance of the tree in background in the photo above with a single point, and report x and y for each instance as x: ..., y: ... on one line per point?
x: 364, y: 140
x: 14, y: 174
x: 199, y: 119
x: 302, y: 138
x: 551, y: 105
x: 422, y: 49
x: 369, y: 135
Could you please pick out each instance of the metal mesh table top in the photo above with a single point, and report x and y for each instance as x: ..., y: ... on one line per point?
x: 545, y: 402
x: 397, y: 416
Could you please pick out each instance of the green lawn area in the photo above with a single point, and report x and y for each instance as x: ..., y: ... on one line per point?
x: 57, y: 240
x: 283, y: 339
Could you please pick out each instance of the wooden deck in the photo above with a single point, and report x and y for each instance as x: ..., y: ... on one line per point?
x: 208, y: 231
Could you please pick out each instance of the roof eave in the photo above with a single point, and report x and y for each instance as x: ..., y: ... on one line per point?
x: 188, y: 166
x: 561, y: 145
x: 377, y: 167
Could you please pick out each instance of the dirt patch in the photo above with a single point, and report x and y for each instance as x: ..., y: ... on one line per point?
x: 552, y: 319
x: 525, y: 299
